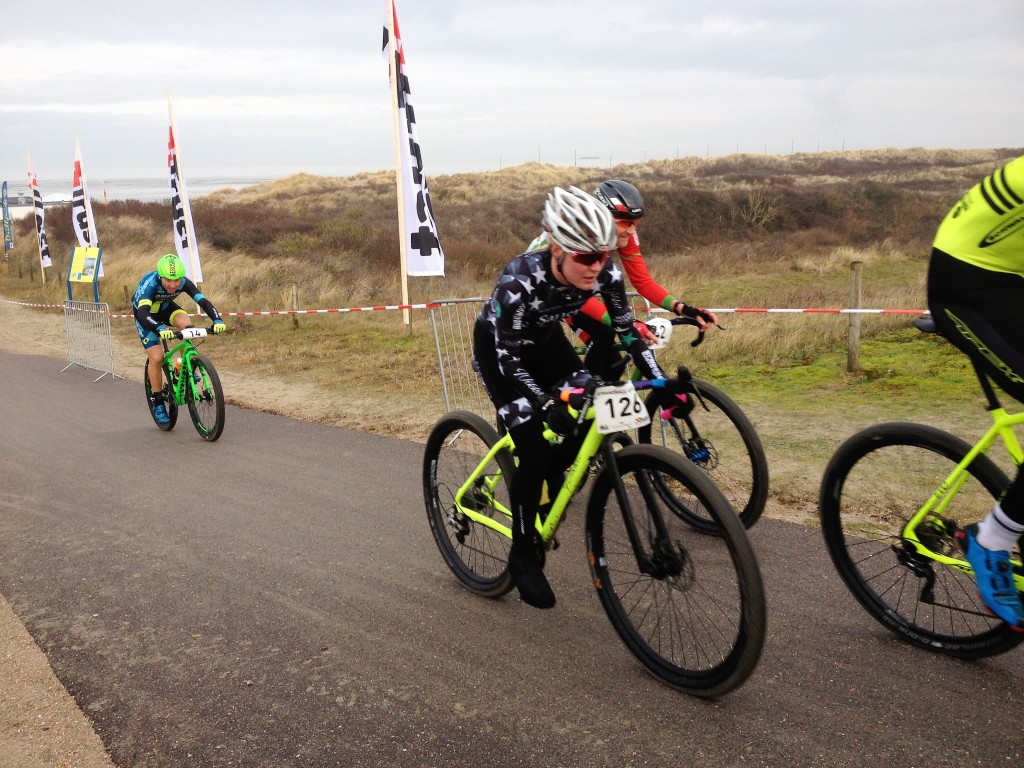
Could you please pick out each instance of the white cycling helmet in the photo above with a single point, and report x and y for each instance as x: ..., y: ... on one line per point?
x: 578, y: 222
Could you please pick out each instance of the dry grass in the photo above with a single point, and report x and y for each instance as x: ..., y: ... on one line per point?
x: 738, y: 231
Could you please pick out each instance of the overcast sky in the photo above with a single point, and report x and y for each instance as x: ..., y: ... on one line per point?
x: 270, y: 89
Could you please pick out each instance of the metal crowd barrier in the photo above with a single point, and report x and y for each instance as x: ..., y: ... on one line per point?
x: 90, y: 344
x: 461, y: 386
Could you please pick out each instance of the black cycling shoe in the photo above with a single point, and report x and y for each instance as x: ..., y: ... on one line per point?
x: 528, y: 575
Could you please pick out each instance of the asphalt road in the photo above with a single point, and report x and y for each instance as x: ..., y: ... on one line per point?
x: 275, y: 599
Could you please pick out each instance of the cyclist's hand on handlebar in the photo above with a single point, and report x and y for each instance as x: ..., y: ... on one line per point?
x: 167, y: 333
x: 556, y: 415
x: 673, y: 404
x: 645, y: 331
x: 703, y: 317
x: 220, y: 326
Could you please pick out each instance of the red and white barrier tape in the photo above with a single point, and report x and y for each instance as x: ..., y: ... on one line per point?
x: 437, y: 304
x: 825, y: 311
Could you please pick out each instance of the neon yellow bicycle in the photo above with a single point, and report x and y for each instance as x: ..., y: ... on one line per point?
x: 688, y: 604
x: 892, y: 498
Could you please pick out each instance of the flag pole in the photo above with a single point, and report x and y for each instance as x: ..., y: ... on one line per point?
x: 184, y: 199
x: 35, y: 188
x: 399, y: 176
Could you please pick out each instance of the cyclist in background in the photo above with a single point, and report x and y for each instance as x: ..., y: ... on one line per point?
x: 627, y: 207
x: 155, y: 312
x: 524, y: 358
x: 976, y: 298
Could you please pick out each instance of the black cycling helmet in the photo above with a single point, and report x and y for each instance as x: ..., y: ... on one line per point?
x: 622, y: 198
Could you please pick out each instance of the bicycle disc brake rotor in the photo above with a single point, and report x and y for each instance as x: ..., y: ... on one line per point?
x: 672, y: 563
x: 702, y: 453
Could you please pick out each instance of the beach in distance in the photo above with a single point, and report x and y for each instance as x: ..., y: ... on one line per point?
x: 147, y: 190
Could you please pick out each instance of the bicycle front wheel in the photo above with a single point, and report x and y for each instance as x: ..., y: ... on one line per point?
x: 169, y: 404
x: 724, y: 444
x: 875, y: 482
x: 205, y: 397
x: 690, y: 606
x: 476, y: 553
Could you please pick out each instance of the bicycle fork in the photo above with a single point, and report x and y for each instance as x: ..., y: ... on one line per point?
x: 658, y: 558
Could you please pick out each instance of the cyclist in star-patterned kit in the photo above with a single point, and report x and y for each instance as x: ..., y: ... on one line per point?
x: 524, y: 358
x: 592, y: 322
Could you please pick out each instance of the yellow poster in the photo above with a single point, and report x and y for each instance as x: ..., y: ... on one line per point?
x: 84, y: 264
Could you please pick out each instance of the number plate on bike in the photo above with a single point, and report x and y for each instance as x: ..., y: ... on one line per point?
x: 618, y: 408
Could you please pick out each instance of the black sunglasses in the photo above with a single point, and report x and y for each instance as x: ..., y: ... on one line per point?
x: 590, y: 258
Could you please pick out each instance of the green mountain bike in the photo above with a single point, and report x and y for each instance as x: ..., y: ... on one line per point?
x: 689, y: 605
x: 892, y: 499
x: 189, y: 379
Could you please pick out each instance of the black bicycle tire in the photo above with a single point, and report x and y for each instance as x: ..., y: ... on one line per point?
x: 873, y: 598
x: 458, y: 556
x: 209, y: 434
x: 747, y: 622
x: 753, y: 507
x: 169, y: 403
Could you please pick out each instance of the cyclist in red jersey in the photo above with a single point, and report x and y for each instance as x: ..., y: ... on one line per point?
x: 592, y: 321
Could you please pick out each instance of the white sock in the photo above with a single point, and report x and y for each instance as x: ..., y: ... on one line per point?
x: 998, y: 532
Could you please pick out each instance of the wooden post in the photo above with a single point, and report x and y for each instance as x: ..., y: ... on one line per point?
x: 295, y: 304
x: 853, y: 331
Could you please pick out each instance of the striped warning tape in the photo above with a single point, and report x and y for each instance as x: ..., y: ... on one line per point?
x: 436, y: 304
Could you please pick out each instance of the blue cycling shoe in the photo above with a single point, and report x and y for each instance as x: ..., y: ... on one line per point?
x: 160, y: 414
x: 994, y: 574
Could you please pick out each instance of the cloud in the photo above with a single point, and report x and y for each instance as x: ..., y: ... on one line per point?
x: 505, y: 82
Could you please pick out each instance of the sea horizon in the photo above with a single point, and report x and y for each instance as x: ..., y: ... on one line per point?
x: 132, y: 188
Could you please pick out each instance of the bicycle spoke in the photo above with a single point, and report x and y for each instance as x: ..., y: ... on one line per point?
x: 476, y: 553
x: 876, y: 482
x: 725, y: 446
x: 686, y: 604
x: 205, y: 398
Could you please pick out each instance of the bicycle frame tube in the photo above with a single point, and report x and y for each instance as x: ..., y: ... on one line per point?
x: 180, y: 384
x: 1001, y: 429
x: 574, y: 479
x: 505, y: 443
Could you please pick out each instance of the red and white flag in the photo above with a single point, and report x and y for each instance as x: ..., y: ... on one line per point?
x: 81, y: 206
x: 37, y: 202
x: 82, y: 220
x: 421, y: 247
x: 181, y: 213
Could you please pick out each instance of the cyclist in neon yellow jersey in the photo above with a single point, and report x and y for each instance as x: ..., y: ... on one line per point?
x: 976, y: 297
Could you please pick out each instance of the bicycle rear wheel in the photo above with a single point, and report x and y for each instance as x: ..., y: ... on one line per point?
x: 726, y: 446
x: 690, y: 606
x: 169, y: 404
x: 875, y: 482
x: 205, y: 397
x: 477, y: 554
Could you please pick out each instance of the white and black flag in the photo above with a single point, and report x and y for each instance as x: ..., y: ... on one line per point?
x: 421, y: 250
x: 37, y: 201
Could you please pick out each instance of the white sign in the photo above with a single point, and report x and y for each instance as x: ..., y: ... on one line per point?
x: 618, y: 408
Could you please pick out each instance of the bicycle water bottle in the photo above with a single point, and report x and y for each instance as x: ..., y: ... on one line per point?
x: 177, y: 365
